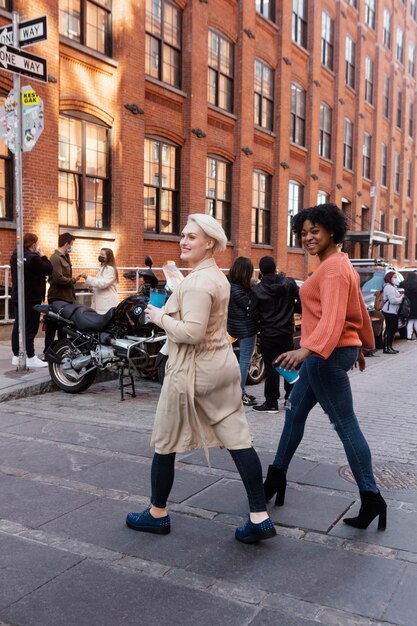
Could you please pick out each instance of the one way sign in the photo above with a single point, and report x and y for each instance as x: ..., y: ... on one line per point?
x: 21, y: 62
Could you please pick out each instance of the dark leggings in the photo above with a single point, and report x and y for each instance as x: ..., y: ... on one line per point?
x: 391, y: 327
x: 246, y: 461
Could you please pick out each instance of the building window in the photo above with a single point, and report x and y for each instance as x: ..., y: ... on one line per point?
x: 366, y: 153
x: 298, y: 114
x: 266, y: 8
x: 84, y: 183
x: 350, y: 62
x: 353, y: 3
x: 264, y: 95
x: 411, y: 64
x: 299, y: 22
x: 400, y: 48
x: 218, y: 192
x: 387, y: 29
x: 295, y: 204
x: 220, y: 71
x: 384, y: 157
x: 88, y: 22
x: 382, y: 229
x: 413, y: 9
x: 348, y: 144
x: 325, y: 131
x: 163, y: 42
x: 370, y: 13
x: 6, y: 183
x: 399, y: 109
x: 161, y: 186
x: 261, y: 208
x: 369, y: 80
x: 323, y: 197
x: 327, y: 40
x: 407, y: 239
x: 397, y: 173
x: 411, y: 120
x: 385, y: 97
x: 395, y: 231
x: 409, y: 179
x: 5, y: 4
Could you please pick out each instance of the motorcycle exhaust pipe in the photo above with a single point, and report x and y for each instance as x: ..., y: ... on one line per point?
x: 81, y: 361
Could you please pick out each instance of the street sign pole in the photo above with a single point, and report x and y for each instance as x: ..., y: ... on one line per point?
x: 19, y: 209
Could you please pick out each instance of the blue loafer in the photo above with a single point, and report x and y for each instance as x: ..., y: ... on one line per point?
x: 146, y: 523
x: 251, y: 533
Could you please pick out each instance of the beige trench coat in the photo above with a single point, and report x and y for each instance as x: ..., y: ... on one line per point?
x: 200, y: 405
x: 104, y: 287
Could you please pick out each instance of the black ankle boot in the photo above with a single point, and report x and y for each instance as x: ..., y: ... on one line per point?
x: 372, y: 505
x: 275, y: 482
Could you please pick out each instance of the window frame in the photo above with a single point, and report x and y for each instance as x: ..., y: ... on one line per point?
x: 384, y: 164
x: 386, y: 96
x: 323, y: 197
x: 327, y: 41
x: 82, y: 40
x: 387, y: 29
x: 325, y: 142
x: 370, y: 13
x: 219, y: 73
x: 263, y: 99
x: 299, y: 31
x: 350, y: 54
x: 270, y: 13
x: 164, y: 45
x: 366, y: 155
x: 395, y: 222
x: 406, y: 238
x: 397, y: 173
x: 400, y: 45
x: 226, y: 221
x: 411, y: 120
x: 347, y: 148
x: 369, y: 80
x: 292, y: 241
x: 411, y: 59
x: 258, y: 210
x: 408, y: 179
x: 413, y: 9
x: 399, y: 110
x: 298, y: 122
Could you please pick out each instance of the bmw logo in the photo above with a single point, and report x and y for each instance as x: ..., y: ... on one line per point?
x: 137, y: 311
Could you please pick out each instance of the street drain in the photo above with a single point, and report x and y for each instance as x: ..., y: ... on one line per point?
x: 388, y: 476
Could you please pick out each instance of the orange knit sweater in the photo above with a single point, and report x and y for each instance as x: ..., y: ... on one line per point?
x: 334, y: 313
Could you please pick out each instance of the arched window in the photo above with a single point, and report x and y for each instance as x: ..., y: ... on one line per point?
x: 84, y: 173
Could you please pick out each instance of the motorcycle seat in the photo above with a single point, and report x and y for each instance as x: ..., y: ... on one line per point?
x: 84, y: 317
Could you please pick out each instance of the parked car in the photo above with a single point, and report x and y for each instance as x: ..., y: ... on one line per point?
x: 371, y: 273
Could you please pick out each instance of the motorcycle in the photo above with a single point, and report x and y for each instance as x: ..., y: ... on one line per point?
x: 121, y: 340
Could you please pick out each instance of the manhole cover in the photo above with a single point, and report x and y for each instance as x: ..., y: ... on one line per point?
x: 388, y: 476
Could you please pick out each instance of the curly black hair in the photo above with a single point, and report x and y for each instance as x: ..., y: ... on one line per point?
x: 327, y: 215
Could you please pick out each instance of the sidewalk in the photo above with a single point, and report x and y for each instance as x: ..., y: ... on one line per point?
x: 72, y: 466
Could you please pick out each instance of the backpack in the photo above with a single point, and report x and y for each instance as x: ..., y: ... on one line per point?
x: 404, y: 309
x: 379, y: 300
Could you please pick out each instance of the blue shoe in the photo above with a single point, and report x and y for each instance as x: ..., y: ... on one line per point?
x: 146, y: 523
x: 251, y: 533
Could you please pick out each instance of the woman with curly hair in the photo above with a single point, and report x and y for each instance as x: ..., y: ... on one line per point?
x: 336, y: 325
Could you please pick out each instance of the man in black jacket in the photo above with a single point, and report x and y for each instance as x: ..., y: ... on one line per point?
x: 36, y: 268
x: 277, y: 296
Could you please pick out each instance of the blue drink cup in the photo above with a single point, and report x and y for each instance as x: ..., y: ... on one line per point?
x: 157, y: 299
x: 291, y: 376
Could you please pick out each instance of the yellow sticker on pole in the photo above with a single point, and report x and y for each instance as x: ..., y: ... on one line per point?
x: 30, y: 98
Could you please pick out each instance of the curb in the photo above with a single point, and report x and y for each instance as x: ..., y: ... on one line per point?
x: 34, y: 389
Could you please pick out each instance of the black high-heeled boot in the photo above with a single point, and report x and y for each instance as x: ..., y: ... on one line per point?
x: 275, y: 482
x: 372, y: 505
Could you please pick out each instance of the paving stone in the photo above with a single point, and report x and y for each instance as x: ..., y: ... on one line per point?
x: 46, y: 458
x: 122, y: 597
x: 401, y: 531
x: 226, y: 496
x: 103, y: 523
x: 402, y: 608
x: 12, y: 419
x: 25, y: 566
x: 33, y: 503
x: 325, y: 475
x: 311, y: 572
x: 135, y: 478
x: 276, y: 618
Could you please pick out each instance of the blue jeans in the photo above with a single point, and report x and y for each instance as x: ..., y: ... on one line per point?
x: 246, y: 347
x: 326, y: 381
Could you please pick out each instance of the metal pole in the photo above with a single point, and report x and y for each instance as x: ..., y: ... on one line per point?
x: 19, y: 207
x: 373, y: 215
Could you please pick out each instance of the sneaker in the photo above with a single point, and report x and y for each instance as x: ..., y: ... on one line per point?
x: 252, y: 533
x: 248, y: 400
x: 146, y: 523
x: 15, y: 360
x: 267, y: 407
x: 33, y: 361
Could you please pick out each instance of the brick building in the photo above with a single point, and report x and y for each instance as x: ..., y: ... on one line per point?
x: 249, y: 110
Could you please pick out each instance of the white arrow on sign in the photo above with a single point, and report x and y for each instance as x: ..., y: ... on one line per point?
x: 30, y: 32
x: 20, y: 62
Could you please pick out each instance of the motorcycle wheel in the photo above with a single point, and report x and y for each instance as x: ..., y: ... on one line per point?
x: 64, y: 348
x: 256, y: 371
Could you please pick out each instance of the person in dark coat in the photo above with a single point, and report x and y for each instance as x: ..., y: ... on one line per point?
x: 36, y: 268
x: 277, y: 297
x: 242, y: 317
x: 410, y: 290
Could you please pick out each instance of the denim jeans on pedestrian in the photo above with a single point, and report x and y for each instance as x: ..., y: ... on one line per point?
x: 326, y: 381
x: 246, y: 346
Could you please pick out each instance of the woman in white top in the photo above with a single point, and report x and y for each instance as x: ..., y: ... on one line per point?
x: 392, y: 301
x: 104, y: 284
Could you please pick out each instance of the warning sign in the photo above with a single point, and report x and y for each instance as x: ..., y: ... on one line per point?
x: 30, y: 98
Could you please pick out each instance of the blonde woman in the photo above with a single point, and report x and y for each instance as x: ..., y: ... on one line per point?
x: 104, y: 284
x: 201, y: 401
